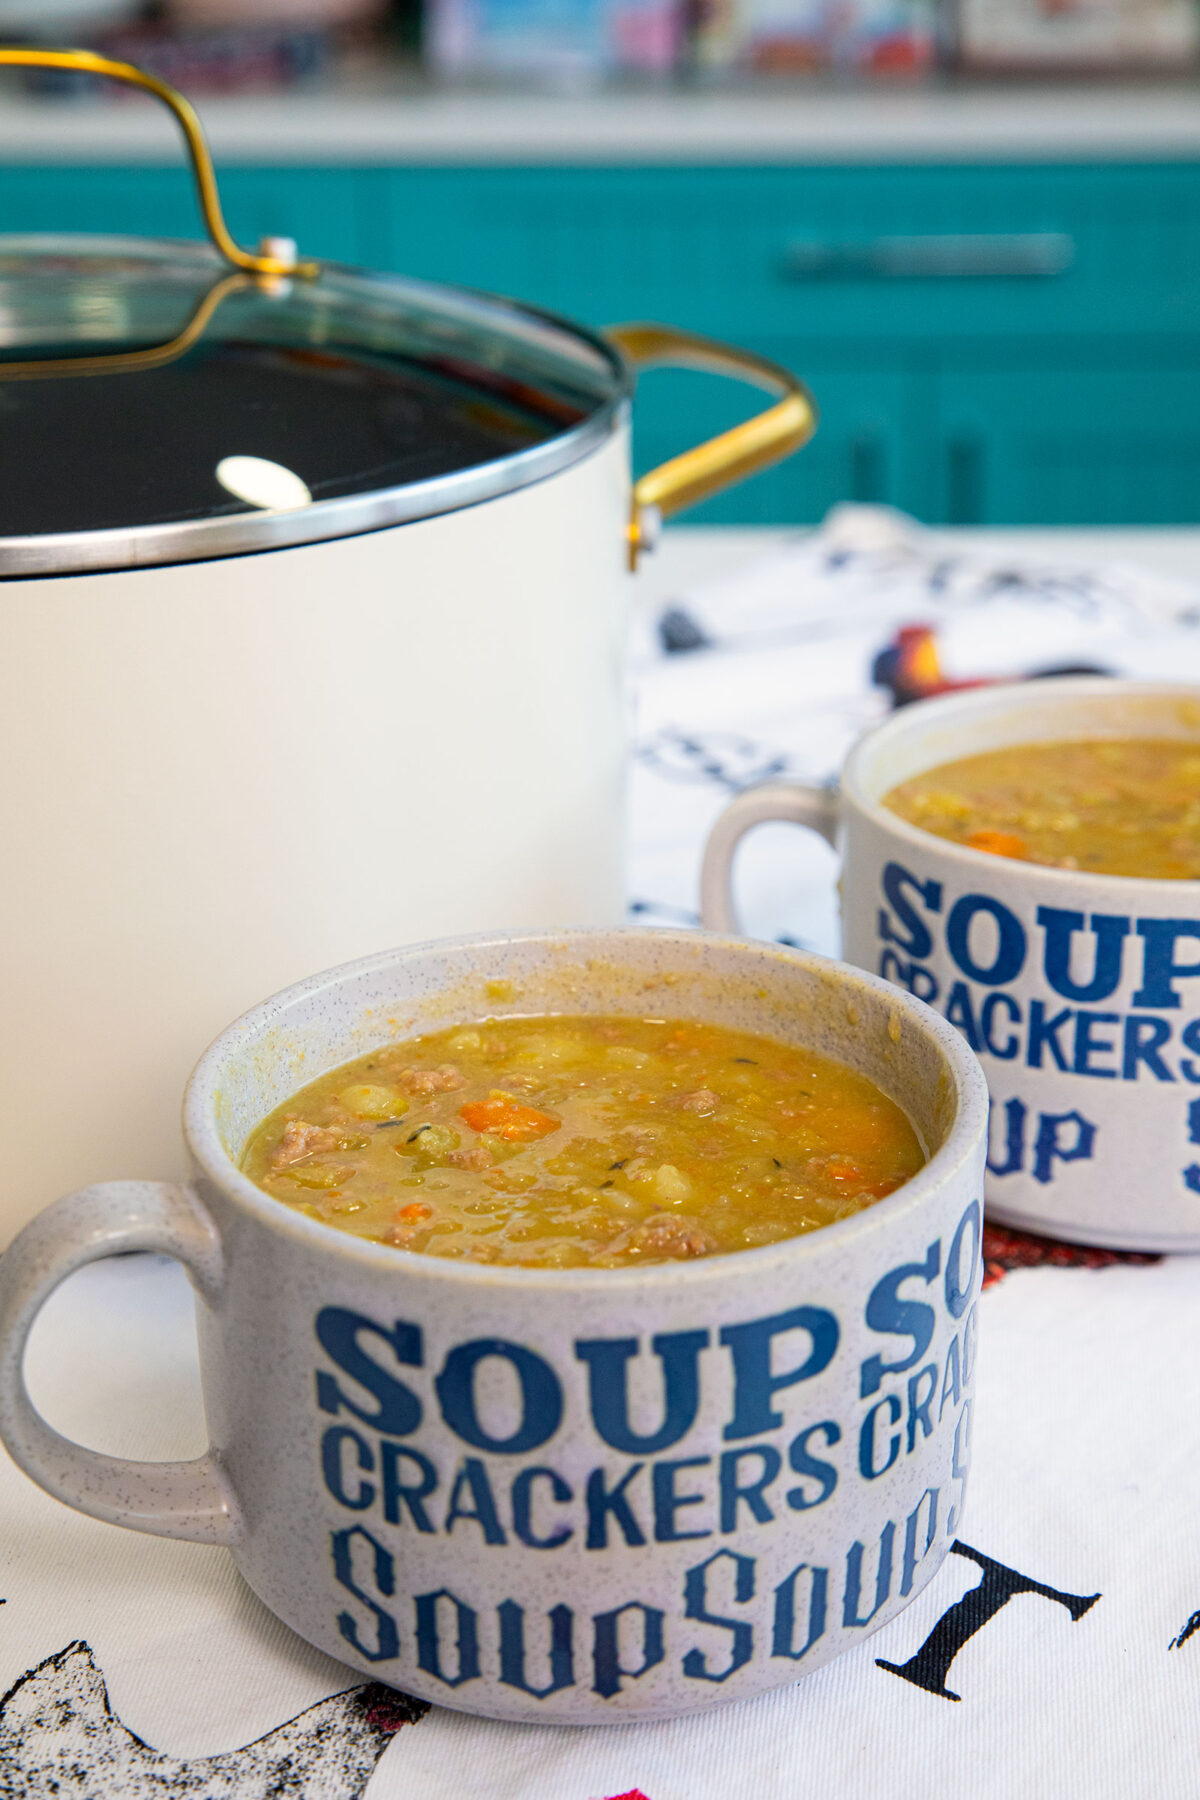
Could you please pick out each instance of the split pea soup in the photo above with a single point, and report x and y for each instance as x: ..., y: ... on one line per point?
x: 597, y: 1142
x: 1112, y: 806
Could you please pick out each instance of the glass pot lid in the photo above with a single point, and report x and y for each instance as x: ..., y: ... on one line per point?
x: 156, y: 406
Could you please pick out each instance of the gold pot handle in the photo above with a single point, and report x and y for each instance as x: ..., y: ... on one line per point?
x: 87, y: 62
x: 693, y: 476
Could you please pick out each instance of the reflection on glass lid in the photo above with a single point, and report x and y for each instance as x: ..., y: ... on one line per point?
x: 262, y: 483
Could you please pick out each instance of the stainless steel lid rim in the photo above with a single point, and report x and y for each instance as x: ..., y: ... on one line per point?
x: 244, y: 534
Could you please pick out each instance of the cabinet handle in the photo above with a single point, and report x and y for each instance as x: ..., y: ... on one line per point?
x: 946, y: 257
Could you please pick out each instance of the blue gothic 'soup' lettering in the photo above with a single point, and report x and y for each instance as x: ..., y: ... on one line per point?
x: 1081, y: 962
x: 410, y: 1448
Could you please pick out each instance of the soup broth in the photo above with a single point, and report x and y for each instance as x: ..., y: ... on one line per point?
x: 584, y: 1142
x: 1113, y: 806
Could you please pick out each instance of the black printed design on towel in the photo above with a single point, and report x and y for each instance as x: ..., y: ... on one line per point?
x: 679, y: 633
x: 1189, y: 1630
x: 661, y: 912
x: 723, y: 757
x: 61, y: 1740
x: 931, y: 1664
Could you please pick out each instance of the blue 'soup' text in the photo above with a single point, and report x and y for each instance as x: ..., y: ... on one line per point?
x: 1081, y: 961
x: 503, y: 1487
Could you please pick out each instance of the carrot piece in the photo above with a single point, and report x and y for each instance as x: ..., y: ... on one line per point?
x: 506, y: 1118
x: 1000, y: 843
x: 844, y: 1168
x: 413, y: 1212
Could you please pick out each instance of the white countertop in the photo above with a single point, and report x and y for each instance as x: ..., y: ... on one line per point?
x: 397, y: 125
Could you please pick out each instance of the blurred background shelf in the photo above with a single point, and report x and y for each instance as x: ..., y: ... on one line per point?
x: 993, y: 292
x: 387, y: 114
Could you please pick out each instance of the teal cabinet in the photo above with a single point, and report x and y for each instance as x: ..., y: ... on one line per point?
x: 1003, y: 344
x: 1036, y: 440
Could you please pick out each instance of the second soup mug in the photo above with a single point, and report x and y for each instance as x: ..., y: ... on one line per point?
x: 1079, y: 992
x: 571, y: 1496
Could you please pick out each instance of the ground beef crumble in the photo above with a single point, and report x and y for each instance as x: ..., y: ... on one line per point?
x: 300, y: 1139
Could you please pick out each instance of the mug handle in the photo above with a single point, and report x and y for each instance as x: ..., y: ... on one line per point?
x: 170, y: 1499
x: 799, y: 803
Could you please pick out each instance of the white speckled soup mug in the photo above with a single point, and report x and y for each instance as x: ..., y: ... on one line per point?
x: 1080, y: 992
x: 553, y: 1495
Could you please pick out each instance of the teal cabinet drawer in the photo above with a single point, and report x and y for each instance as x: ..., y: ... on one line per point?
x: 924, y: 252
x: 872, y: 253
x: 1034, y: 442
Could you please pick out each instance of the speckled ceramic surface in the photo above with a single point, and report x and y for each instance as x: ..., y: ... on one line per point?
x: 561, y: 1496
x: 1079, y: 992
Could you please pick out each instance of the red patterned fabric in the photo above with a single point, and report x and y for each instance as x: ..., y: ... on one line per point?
x: 1004, y: 1250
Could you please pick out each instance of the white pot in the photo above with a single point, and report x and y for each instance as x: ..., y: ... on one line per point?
x: 221, y: 775
x: 311, y: 635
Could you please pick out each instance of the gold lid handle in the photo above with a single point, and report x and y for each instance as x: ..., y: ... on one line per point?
x: 696, y: 474
x: 87, y: 62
